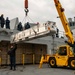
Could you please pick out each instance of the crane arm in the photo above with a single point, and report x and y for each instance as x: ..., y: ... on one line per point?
x: 64, y: 21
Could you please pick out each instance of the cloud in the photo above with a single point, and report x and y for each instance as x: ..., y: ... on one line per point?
x: 39, y: 10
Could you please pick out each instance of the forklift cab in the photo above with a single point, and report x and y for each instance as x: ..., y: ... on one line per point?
x: 62, y: 51
x: 62, y: 56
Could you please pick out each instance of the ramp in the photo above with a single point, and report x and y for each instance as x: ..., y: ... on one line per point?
x: 34, y: 32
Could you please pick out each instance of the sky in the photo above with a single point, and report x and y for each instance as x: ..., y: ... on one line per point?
x: 39, y: 10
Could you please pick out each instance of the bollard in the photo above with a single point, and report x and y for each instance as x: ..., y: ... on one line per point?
x: 0, y: 61
x: 33, y: 58
x: 23, y: 59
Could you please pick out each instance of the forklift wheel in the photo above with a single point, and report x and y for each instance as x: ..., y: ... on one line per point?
x: 72, y: 63
x: 52, y: 62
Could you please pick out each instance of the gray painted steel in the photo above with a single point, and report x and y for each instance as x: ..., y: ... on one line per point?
x: 6, y: 33
x: 48, y: 40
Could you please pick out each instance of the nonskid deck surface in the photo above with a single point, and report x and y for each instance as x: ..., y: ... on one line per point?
x: 34, y: 70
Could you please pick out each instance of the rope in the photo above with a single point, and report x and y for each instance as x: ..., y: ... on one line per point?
x: 31, y: 19
x: 27, y: 18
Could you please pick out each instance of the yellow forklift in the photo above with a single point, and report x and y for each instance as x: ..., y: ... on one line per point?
x: 65, y: 55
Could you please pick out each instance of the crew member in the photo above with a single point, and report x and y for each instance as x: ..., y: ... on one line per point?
x: 7, y: 23
x: 2, y: 21
x: 27, y: 25
x: 19, y: 27
x: 12, y: 54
